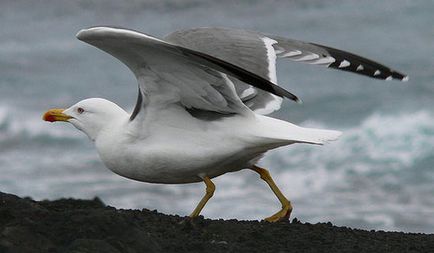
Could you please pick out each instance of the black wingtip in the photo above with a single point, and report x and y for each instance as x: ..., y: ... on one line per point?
x: 279, y: 91
x: 299, y: 101
x: 357, y: 64
x: 397, y: 76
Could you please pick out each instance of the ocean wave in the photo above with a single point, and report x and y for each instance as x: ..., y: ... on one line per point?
x: 393, y: 139
x: 380, y: 153
x: 372, y: 173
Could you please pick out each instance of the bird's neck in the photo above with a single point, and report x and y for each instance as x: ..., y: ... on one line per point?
x: 111, y: 125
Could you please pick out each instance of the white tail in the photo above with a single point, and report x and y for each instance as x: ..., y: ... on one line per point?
x: 282, y: 131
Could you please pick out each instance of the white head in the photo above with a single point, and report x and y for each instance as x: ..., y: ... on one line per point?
x: 91, y: 115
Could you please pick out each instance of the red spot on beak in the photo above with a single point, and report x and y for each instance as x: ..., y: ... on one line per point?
x: 49, y: 117
x: 55, y: 115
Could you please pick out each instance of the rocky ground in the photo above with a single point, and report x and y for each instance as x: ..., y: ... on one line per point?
x: 69, y: 225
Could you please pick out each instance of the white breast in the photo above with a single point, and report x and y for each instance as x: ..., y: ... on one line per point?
x: 175, y: 155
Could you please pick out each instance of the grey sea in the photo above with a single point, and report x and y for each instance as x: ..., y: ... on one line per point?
x: 378, y: 175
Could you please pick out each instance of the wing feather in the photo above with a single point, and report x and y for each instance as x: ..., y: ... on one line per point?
x: 257, y: 53
x: 219, y: 69
x: 312, y: 53
x: 169, y: 73
x: 249, y: 50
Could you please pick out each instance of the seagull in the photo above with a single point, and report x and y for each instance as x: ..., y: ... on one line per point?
x: 203, y: 94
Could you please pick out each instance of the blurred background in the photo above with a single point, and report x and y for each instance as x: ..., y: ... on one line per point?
x: 379, y: 175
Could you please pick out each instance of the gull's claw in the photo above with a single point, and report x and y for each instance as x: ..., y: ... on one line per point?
x: 285, y: 212
x: 282, y: 215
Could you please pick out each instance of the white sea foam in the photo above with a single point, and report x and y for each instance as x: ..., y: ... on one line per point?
x: 393, y: 139
x: 363, y: 172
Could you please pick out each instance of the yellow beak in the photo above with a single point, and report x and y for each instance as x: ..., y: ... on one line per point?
x: 55, y: 115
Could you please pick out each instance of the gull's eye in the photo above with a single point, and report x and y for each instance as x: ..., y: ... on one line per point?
x: 80, y: 110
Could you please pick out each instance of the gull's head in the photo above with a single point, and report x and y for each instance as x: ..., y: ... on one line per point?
x: 91, y: 115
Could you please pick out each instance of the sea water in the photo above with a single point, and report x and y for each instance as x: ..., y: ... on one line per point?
x: 378, y: 175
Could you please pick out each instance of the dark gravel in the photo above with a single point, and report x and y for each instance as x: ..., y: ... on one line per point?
x: 69, y: 225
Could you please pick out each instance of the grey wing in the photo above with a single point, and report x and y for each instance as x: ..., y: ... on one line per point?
x: 249, y: 50
x: 317, y: 54
x: 257, y: 53
x: 168, y: 73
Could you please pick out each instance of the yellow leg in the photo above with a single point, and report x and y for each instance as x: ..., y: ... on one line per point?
x: 285, y: 212
x: 210, y: 188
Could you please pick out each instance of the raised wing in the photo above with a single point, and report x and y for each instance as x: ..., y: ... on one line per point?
x: 251, y: 51
x: 257, y: 53
x: 169, y: 73
x: 312, y: 53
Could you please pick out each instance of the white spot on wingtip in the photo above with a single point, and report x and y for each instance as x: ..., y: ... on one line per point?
x: 360, y: 67
x: 325, y: 60
x: 307, y: 57
x: 344, y: 64
x: 292, y: 53
x: 389, y: 78
x: 377, y: 72
x: 405, y: 79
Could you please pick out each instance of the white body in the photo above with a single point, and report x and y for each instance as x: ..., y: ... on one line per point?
x: 227, y: 75
x: 184, y: 149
